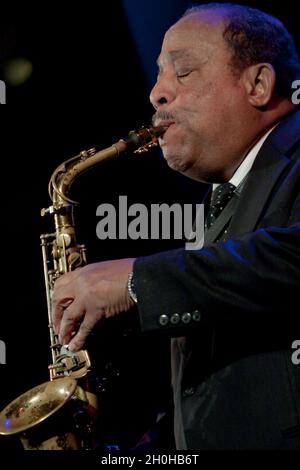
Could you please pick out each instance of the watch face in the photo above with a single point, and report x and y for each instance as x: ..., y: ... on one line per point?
x: 131, y: 289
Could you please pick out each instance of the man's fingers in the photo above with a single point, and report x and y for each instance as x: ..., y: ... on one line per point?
x: 79, y: 339
x: 71, y: 316
x: 58, y: 312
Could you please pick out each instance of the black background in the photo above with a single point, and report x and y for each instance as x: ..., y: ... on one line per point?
x: 87, y: 90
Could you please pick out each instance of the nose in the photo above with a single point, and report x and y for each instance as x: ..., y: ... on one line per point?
x: 162, y: 92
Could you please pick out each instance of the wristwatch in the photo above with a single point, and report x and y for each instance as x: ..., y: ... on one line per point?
x: 130, y: 287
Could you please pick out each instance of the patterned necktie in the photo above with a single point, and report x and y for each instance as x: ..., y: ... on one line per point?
x: 220, y: 197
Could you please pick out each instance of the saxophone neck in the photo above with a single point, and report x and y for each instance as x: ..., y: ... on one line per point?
x: 138, y: 142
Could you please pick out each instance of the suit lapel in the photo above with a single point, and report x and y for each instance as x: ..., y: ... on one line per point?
x: 266, y: 171
x: 270, y: 163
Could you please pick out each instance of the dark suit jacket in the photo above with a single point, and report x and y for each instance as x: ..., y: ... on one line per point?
x: 238, y: 305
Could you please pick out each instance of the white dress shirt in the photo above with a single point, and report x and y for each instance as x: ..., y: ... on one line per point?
x: 248, y: 161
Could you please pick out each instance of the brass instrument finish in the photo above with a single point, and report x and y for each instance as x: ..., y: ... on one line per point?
x: 69, y: 371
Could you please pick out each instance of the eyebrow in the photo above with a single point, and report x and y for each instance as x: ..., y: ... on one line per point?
x: 176, y: 55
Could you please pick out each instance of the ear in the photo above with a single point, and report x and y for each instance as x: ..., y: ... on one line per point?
x: 259, y: 80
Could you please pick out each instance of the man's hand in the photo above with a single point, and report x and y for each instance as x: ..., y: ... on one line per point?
x: 88, y: 295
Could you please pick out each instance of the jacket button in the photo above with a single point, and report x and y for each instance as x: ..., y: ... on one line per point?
x: 163, y: 320
x: 188, y: 392
x: 175, y: 319
x: 186, y: 317
x: 196, y: 315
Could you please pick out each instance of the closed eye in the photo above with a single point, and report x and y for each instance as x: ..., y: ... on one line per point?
x: 182, y: 74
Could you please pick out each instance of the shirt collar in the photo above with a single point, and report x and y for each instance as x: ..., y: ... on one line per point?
x: 248, y: 161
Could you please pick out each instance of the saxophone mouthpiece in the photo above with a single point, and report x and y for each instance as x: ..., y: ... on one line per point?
x: 159, y: 131
x: 141, y: 140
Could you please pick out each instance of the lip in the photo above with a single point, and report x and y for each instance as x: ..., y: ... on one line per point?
x: 163, y: 123
x: 167, y: 125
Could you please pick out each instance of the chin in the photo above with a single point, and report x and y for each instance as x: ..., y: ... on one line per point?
x: 176, y: 162
x: 177, y: 166
x: 204, y: 175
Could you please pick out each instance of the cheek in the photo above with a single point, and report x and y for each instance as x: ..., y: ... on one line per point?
x: 202, y: 102
x: 209, y: 109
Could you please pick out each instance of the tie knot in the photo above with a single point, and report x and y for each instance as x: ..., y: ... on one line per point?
x: 222, y: 194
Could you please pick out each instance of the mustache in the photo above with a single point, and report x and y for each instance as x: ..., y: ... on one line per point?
x: 164, y: 116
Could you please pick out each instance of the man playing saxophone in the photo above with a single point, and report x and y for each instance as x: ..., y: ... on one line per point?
x: 231, y: 309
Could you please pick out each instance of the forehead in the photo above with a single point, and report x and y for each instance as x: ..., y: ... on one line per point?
x: 196, y: 35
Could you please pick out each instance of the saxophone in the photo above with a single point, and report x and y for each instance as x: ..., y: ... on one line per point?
x: 41, y: 416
